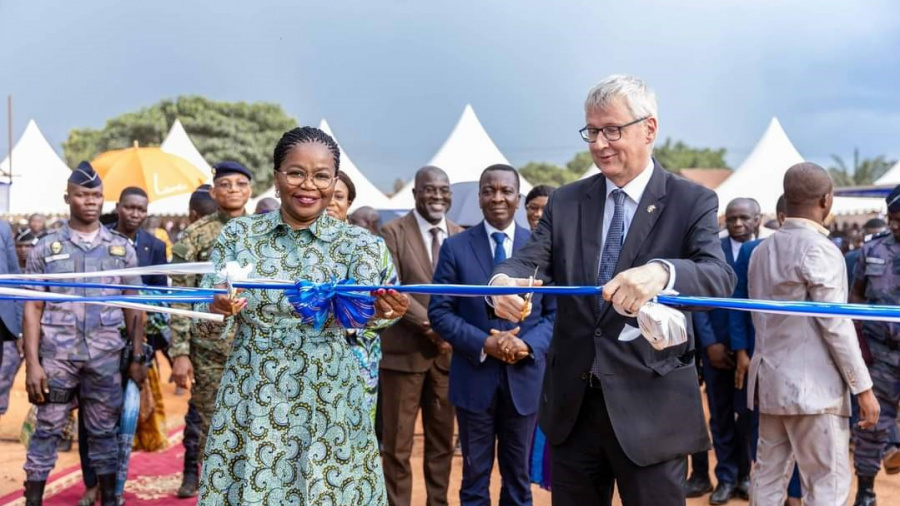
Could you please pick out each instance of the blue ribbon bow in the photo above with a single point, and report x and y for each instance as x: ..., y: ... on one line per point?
x: 315, y: 302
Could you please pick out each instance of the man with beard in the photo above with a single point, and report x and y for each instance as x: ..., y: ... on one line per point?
x: 415, y: 367
x: 199, y: 358
x: 75, y: 348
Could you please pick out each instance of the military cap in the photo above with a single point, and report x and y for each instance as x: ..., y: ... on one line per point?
x: 84, y: 175
x: 26, y: 237
x: 893, y: 200
x: 227, y: 168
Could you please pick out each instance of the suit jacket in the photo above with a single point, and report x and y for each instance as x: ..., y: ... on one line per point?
x: 712, y: 327
x: 740, y: 326
x: 10, y: 311
x: 802, y: 365
x: 404, y: 345
x: 652, y: 396
x: 466, y: 259
x: 151, y: 251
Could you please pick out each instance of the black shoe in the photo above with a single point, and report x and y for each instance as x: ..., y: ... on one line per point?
x: 865, y: 494
x: 724, y: 492
x: 108, y: 489
x: 34, y: 493
x: 189, y: 485
x: 697, y: 486
x: 743, y: 488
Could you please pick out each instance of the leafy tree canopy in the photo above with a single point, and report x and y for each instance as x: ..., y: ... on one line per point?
x: 864, y: 172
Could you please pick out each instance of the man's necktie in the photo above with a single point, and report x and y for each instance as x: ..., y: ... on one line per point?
x: 612, y: 246
x: 499, y: 251
x: 435, y: 246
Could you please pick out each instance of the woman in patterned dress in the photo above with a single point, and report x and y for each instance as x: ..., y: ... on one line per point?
x: 290, y: 425
x: 365, y: 343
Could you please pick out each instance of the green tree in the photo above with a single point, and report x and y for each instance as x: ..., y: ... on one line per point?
x: 546, y: 173
x: 237, y: 131
x: 678, y: 155
x: 864, y: 172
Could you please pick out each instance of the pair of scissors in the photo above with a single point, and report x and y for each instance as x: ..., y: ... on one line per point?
x: 526, y: 310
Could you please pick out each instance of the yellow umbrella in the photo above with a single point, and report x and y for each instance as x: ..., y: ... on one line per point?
x: 158, y: 173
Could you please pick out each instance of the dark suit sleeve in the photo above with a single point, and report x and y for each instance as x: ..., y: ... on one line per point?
x: 702, y: 270
x: 158, y: 257
x: 739, y: 321
x: 537, y: 252
x: 703, y: 330
x: 12, y: 266
x: 538, y: 337
x: 416, y: 313
x: 443, y: 311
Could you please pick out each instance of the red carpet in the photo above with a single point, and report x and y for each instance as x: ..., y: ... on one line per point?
x: 153, y: 479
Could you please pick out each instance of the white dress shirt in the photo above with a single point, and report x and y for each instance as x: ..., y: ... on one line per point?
x: 509, y: 232
x: 634, y: 190
x: 735, y: 248
x: 425, y: 229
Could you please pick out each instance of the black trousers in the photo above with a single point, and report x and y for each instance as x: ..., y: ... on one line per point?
x: 591, y: 463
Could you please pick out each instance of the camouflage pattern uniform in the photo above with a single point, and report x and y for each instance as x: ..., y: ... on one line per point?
x: 201, y: 343
x: 80, y: 348
x: 879, y: 263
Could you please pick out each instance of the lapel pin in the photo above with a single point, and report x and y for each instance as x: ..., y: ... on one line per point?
x: 651, y: 208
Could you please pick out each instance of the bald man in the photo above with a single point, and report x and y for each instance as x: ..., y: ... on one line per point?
x: 367, y: 218
x: 804, y: 369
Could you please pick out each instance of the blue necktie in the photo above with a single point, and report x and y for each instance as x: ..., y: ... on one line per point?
x: 612, y: 247
x: 499, y: 251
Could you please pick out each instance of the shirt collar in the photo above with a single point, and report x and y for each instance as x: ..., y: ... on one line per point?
x: 510, y: 231
x: 635, y: 188
x: 324, y: 228
x: 805, y: 223
x: 426, y: 226
x: 105, y: 234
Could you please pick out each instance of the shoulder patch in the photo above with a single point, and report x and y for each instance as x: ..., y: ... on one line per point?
x: 117, y: 251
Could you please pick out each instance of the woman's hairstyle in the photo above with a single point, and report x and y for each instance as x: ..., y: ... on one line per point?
x: 541, y: 190
x: 304, y: 135
x: 351, y: 188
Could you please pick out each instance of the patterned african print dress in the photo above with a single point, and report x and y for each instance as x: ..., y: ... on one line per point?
x: 291, y: 425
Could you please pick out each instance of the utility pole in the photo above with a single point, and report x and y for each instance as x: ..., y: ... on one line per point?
x: 10, y: 136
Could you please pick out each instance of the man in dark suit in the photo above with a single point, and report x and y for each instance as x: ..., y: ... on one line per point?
x: 415, y: 366
x: 11, y: 349
x: 131, y: 212
x: 732, y: 455
x: 619, y: 413
x: 497, y: 367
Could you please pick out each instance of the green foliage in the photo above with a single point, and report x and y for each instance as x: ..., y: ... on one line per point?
x: 679, y: 155
x: 246, y: 133
x: 864, y: 172
x: 547, y: 173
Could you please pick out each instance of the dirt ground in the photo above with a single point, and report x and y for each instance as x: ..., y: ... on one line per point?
x: 12, y: 454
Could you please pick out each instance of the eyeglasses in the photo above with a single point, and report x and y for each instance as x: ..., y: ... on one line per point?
x: 320, y: 180
x: 611, y: 133
x: 226, y: 185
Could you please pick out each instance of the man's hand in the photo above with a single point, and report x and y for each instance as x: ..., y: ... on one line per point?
x: 869, y: 409
x: 36, y: 383
x: 182, y: 371
x: 511, y: 307
x: 224, y: 305
x: 443, y: 346
x: 506, y: 346
x: 138, y: 373
x: 632, y: 288
x: 743, y: 365
x: 20, y: 347
x: 719, y: 356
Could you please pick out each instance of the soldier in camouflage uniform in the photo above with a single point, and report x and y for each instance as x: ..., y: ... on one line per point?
x: 195, y: 352
x: 74, y: 348
x: 877, y: 281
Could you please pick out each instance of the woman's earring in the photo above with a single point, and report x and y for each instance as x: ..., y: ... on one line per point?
x: 277, y: 193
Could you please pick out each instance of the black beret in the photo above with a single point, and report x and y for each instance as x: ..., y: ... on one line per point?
x: 893, y: 200
x: 84, y: 175
x: 227, y: 168
x: 26, y: 237
x: 203, y: 188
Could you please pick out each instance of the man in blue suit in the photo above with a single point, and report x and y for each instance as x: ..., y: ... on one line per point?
x: 497, y: 367
x: 711, y: 329
x: 10, y: 320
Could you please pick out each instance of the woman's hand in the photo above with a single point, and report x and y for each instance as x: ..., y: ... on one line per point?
x: 224, y: 305
x: 390, y: 304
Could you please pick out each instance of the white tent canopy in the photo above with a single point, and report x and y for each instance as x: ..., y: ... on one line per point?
x: 761, y: 176
x: 178, y: 143
x: 892, y: 176
x: 367, y: 194
x: 39, y: 176
x: 463, y: 156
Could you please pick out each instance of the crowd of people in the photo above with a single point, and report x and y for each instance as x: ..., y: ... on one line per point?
x: 554, y: 390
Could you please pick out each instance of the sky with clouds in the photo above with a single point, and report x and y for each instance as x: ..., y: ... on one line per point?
x: 392, y: 77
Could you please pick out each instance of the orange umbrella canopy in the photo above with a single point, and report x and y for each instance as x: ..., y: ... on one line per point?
x: 158, y: 173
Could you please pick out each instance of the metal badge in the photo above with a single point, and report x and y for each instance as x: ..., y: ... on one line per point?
x: 651, y: 208
x: 117, y: 251
x: 55, y: 247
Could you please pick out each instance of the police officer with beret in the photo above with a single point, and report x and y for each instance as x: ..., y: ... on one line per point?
x: 75, y: 348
